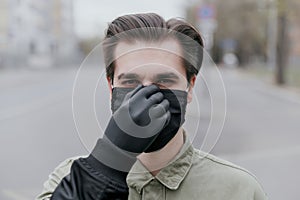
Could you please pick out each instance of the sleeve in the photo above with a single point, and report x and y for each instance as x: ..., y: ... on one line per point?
x: 89, y: 179
x: 55, y: 178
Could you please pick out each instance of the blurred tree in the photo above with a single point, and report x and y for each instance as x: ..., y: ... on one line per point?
x: 287, y: 11
x: 282, y: 42
x: 245, y: 27
x: 245, y: 23
x: 288, y: 16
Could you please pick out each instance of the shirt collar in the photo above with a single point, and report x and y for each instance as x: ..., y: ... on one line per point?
x: 170, y: 176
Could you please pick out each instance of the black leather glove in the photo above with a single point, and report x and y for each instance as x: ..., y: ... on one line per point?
x: 137, y: 122
x: 133, y: 128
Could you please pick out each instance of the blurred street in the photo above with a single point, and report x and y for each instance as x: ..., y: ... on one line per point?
x: 37, y: 130
x: 261, y: 131
x: 256, y: 45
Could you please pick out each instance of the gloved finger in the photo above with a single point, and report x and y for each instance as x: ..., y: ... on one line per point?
x: 135, y: 90
x: 165, y: 104
x: 158, y: 110
x: 147, y: 91
x: 168, y: 118
x: 165, y: 118
x: 155, y: 98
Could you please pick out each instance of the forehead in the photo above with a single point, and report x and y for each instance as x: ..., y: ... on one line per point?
x: 163, y: 55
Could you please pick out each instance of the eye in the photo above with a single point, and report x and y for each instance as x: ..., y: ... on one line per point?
x: 130, y: 82
x: 165, y: 81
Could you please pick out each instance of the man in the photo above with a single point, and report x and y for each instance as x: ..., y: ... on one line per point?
x: 151, y: 68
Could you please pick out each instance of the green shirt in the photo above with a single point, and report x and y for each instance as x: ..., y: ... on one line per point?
x: 192, y: 174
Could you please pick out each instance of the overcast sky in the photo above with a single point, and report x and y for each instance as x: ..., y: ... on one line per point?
x: 92, y: 16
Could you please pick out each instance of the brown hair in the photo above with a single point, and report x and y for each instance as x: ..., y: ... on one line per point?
x: 152, y: 27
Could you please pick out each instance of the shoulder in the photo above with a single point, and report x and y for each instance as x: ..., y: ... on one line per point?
x: 63, y: 168
x: 226, y: 175
x: 55, y: 177
x: 206, y: 159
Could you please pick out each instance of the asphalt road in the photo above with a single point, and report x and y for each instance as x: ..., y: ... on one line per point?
x: 37, y: 131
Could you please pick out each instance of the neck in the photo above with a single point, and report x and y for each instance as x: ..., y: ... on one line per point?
x: 157, y: 160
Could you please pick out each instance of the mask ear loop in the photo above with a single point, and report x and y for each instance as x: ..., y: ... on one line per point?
x: 187, y: 87
x: 112, y: 82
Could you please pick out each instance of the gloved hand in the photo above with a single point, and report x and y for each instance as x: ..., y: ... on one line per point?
x: 137, y: 122
x: 133, y: 127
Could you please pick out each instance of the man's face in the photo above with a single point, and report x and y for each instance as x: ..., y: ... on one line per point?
x: 155, y: 63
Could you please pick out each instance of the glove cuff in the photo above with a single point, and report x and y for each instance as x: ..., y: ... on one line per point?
x: 125, y: 142
x: 114, y: 161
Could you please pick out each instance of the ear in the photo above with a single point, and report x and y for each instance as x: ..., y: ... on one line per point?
x: 191, y: 86
x: 109, y: 86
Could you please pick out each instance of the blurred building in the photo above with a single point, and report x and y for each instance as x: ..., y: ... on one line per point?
x: 203, y: 16
x: 229, y: 37
x: 37, y: 33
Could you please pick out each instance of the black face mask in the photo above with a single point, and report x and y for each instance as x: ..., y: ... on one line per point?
x: 177, y: 108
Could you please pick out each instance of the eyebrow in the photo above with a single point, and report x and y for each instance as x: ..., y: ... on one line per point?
x: 157, y: 76
x: 128, y: 76
x: 166, y: 75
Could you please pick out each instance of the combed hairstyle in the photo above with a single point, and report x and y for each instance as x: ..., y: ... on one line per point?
x: 151, y: 27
